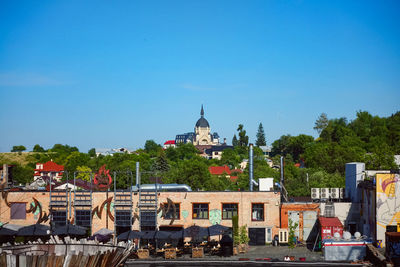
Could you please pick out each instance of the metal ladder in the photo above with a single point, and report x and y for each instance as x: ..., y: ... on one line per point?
x: 148, y: 203
x: 83, y: 203
x: 58, y: 205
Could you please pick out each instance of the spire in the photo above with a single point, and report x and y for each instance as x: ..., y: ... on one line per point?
x: 202, y: 111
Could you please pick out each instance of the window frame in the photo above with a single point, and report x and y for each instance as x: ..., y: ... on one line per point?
x: 201, y: 203
x: 263, y: 212
x: 229, y: 203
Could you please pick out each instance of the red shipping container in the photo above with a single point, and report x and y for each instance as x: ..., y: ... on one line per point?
x: 330, y: 226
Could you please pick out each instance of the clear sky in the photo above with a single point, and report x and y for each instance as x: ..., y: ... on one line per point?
x: 111, y: 74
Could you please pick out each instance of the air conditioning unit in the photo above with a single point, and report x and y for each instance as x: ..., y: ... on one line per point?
x: 283, y: 236
x: 335, y: 193
x: 325, y: 193
x: 342, y: 192
x: 315, y: 193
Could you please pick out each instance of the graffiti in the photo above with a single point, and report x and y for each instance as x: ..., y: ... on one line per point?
x: 96, y: 211
x: 35, y: 207
x: 102, y: 179
x: 185, y: 214
x: 388, y: 199
x: 164, y: 209
x: 215, y: 216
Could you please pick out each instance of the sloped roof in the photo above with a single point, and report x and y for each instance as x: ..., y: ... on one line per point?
x: 218, y: 170
x: 170, y: 142
x: 51, y: 166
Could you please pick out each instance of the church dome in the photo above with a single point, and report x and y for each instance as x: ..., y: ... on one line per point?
x: 202, y: 123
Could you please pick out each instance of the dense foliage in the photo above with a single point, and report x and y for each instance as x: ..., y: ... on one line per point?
x: 319, y: 162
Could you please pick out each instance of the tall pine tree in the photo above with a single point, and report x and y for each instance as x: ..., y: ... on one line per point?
x: 261, y: 136
x: 235, y: 142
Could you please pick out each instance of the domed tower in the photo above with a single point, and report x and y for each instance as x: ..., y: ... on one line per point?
x: 202, y: 130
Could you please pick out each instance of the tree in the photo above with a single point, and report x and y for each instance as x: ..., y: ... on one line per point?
x: 64, y: 149
x: 18, y: 148
x: 321, y: 123
x: 235, y: 142
x: 84, y: 173
x: 243, y: 138
x: 230, y: 158
x: 260, y: 136
x: 38, y: 148
x: 280, y: 146
x: 161, y: 164
x: 22, y: 174
x: 152, y: 148
x: 92, y: 152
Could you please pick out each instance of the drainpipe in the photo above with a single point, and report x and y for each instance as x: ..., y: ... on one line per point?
x: 251, y: 167
x: 137, y: 175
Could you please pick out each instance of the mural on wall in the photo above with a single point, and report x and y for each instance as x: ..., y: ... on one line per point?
x: 164, y: 209
x: 98, y: 212
x: 215, y: 216
x: 185, y: 214
x: 102, y: 179
x: 387, y: 199
x: 35, y: 207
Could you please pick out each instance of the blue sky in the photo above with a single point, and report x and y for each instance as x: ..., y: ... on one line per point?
x: 116, y: 73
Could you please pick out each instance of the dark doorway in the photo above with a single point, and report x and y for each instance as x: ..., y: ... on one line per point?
x: 352, y: 228
x: 122, y: 229
x: 173, y: 228
x: 257, y: 236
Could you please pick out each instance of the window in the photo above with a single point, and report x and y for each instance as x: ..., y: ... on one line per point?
x: 170, y: 213
x: 59, y: 217
x: 257, y: 212
x: 123, y: 218
x: 200, y: 211
x: 229, y: 210
x: 83, y: 218
x: 18, y: 211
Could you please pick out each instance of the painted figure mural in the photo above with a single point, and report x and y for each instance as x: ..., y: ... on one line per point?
x: 388, y: 199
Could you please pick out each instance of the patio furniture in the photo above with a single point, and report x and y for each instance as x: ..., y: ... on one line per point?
x: 197, y: 252
x: 143, y: 253
x: 170, y: 253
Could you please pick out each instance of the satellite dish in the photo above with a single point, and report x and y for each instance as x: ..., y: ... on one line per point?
x: 346, y: 235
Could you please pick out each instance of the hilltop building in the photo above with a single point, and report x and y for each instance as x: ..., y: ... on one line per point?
x: 48, y: 169
x: 206, y: 142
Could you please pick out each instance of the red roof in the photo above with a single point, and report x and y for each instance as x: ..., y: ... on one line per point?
x: 330, y: 221
x: 218, y: 170
x: 170, y: 142
x: 51, y: 166
x: 233, y: 179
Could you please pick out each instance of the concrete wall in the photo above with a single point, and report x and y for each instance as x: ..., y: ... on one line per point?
x: 347, y: 212
x: 354, y: 175
x: 271, y: 202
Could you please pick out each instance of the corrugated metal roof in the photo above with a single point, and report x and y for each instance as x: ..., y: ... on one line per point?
x: 330, y: 221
